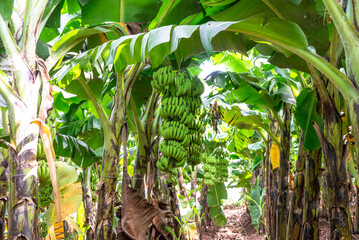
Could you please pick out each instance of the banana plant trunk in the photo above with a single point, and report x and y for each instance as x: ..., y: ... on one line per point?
x: 334, y: 153
x: 87, y: 199
x: 312, y: 195
x: 294, y: 227
x: 3, y: 189
x: 23, y: 189
x: 176, y: 212
x: 357, y: 202
x: 145, y: 136
x: 273, y: 222
x: 283, y: 187
x: 267, y: 187
x: 107, y: 194
x: 4, y: 174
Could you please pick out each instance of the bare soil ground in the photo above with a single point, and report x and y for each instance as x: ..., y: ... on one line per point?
x: 239, y: 227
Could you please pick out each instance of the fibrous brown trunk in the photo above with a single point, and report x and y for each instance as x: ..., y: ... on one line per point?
x: 294, y: 227
x: 87, y: 199
x: 273, y: 226
x: 107, y: 193
x: 283, y: 187
x: 3, y: 190
x: 267, y: 187
x: 24, y: 134
x: 334, y: 153
x: 312, y: 195
x: 176, y: 211
x: 357, y: 202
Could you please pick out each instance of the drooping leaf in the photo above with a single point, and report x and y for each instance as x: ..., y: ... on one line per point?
x: 70, y: 193
x: 218, y: 217
x: 79, y: 152
x: 305, y: 15
x: 216, y: 194
x: 255, y: 199
x: 53, y: 13
x: 137, y: 214
x: 275, y: 30
x: 70, y: 40
x: 173, y: 11
x: 48, y: 34
x: 97, y: 11
x: 306, y: 112
x: 286, y: 95
x: 6, y: 7
x: 244, y: 118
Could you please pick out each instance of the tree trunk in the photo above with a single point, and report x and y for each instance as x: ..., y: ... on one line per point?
x: 337, y: 181
x: 176, y: 211
x: 87, y: 199
x: 312, y: 195
x: 107, y: 193
x: 194, y: 194
x: 357, y: 201
x: 205, y: 220
x: 294, y: 227
x: 24, y: 134
x: 23, y: 191
x: 3, y: 190
x: 4, y: 172
x: 181, y: 184
x: 283, y: 187
x: 141, y: 161
x: 273, y: 226
x: 334, y: 158
x: 267, y: 187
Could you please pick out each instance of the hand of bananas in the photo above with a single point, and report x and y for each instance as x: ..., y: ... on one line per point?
x: 43, y: 173
x: 180, y: 104
x: 163, y: 77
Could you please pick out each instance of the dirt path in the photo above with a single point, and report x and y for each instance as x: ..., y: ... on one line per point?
x: 239, y: 226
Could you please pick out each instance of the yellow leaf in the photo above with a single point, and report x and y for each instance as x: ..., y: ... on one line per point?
x: 70, y: 199
x: 45, y: 134
x: 274, y: 155
x: 51, y: 234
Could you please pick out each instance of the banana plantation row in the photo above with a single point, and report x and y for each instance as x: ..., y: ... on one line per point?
x: 104, y: 117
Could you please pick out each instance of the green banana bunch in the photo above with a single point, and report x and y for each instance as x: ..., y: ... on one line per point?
x: 209, y: 174
x: 195, y: 150
x: 195, y: 137
x: 222, y: 169
x: 163, y: 164
x: 194, y: 160
x: 161, y: 78
x: 183, y: 84
x: 174, y: 130
x: 197, y: 87
x: 172, y: 107
x: 40, y: 154
x: 45, y: 192
x: 173, y: 176
x: 173, y: 149
x: 43, y: 173
x: 211, y: 160
x: 187, y: 118
x: 195, y: 104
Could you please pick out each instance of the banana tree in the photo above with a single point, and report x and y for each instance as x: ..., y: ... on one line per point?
x: 269, y: 25
x: 28, y: 97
